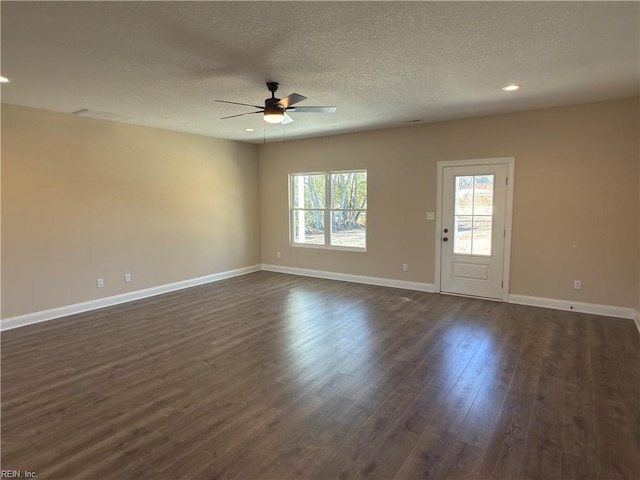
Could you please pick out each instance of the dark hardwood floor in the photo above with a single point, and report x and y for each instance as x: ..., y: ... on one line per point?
x: 271, y: 376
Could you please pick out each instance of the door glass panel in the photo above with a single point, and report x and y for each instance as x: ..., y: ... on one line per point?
x: 462, y: 234
x: 464, y: 195
x: 473, y: 215
x: 481, y: 239
x: 483, y: 195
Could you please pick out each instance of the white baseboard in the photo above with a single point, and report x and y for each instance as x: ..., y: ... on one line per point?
x: 347, y: 277
x: 581, y: 307
x: 43, y: 316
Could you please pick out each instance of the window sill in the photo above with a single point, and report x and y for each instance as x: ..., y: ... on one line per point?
x: 330, y: 247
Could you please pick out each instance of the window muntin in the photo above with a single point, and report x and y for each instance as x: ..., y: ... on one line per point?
x: 345, y: 194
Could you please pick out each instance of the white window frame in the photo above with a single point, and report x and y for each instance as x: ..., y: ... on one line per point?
x: 327, y: 211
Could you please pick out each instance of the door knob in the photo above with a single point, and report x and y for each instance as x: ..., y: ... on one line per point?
x: 445, y: 239
x: 446, y: 230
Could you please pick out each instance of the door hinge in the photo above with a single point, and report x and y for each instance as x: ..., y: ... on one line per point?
x: 501, y: 284
x: 507, y: 181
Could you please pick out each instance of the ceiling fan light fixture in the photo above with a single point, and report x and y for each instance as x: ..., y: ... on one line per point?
x: 274, y: 114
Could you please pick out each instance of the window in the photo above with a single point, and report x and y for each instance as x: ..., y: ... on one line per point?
x: 334, y: 199
x: 473, y: 215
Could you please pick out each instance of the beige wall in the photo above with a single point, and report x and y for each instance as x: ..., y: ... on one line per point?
x: 576, y: 212
x: 85, y: 198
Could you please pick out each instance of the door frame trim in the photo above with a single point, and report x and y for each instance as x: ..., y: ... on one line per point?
x: 510, y: 162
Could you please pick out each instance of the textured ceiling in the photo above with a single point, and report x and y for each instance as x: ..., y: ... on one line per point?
x: 382, y: 64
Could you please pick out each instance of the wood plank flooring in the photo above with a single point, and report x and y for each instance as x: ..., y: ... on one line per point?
x: 272, y: 376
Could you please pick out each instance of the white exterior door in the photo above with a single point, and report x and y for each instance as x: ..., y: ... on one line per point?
x: 473, y: 227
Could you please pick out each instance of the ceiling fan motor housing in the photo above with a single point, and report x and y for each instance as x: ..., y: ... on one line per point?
x: 272, y: 102
x: 274, y: 110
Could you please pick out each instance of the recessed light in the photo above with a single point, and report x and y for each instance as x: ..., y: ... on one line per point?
x: 4, y: 80
x: 248, y: 129
x: 511, y: 88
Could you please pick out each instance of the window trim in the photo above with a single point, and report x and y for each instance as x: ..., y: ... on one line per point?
x: 327, y: 211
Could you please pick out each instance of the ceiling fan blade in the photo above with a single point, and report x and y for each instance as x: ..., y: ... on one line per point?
x: 287, y: 119
x: 291, y: 99
x: 323, y: 109
x: 240, y: 114
x: 237, y: 103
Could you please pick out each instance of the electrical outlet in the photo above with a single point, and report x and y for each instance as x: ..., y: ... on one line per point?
x: 100, y: 282
x: 405, y: 267
x: 431, y: 216
x: 127, y: 277
x: 577, y: 284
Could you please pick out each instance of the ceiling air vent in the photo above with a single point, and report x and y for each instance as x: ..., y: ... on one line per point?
x: 87, y: 112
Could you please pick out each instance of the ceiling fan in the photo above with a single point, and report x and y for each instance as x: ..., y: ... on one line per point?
x: 275, y: 109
